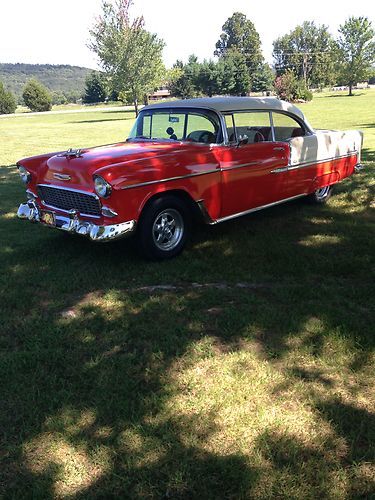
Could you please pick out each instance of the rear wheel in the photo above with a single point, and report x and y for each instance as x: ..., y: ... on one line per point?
x: 321, y: 195
x: 164, y: 228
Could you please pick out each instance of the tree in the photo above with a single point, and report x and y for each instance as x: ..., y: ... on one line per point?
x: 307, y: 51
x: 184, y: 81
x: 95, y: 88
x: 209, y: 79
x: 239, y: 33
x: 263, y: 79
x: 36, y: 96
x: 8, y: 102
x: 128, y: 53
x: 234, y: 78
x: 356, y: 50
x: 227, y: 76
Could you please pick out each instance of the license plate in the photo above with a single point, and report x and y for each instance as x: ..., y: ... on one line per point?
x: 48, y: 218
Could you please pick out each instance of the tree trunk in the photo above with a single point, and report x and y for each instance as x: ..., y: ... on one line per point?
x: 135, y: 101
x: 350, y: 89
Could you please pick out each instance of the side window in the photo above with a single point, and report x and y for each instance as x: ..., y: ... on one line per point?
x: 286, y: 127
x: 200, y: 129
x: 255, y: 126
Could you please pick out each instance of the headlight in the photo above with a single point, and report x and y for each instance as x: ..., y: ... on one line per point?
x: 24, y: 174
x: 102, y: 187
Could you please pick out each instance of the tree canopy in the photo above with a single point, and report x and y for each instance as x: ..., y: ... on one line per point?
x: 356, y: 50
x: 130, y: 55
x: 308, y: 51
x: 239, y: 33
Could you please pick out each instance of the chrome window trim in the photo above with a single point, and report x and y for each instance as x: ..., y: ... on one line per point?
x: 305, y: 126
x: 231, y: 113
x: 302, y: 123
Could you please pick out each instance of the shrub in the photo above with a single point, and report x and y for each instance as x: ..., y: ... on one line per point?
x: 8, y: 102
x: 58, y: 98
x: 302, y: 92
x: 289, y: 88
x: 36, y: 96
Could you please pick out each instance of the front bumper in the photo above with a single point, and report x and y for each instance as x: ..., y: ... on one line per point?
x: 72, y: 224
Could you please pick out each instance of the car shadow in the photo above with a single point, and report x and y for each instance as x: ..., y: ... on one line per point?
x: 91, y: 351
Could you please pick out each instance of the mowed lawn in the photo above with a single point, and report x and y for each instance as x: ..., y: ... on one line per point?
x: 242, y: 369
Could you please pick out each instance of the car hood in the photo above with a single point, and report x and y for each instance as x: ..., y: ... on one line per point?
x: 77, y: 169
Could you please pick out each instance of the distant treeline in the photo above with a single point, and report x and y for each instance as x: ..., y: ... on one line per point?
x: 61, y: 80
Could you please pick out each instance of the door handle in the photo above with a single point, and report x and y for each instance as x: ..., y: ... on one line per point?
x: 279, y: 170
x: 279, y: 148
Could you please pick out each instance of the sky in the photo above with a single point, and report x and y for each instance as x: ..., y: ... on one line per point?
x: 57, y: 32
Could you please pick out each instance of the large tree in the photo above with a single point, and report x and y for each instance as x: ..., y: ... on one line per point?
x: 239, y: 34
x: 356, y: 50
x: 130, y: 54
x: 307, y: 51
x: 233, y: 74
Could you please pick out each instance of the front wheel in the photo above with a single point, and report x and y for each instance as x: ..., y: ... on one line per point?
x: 164, y: 228
x: 321, y: 195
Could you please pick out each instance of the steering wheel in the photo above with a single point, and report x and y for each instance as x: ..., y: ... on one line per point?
x: 259, y: 137
x: 205, y: 137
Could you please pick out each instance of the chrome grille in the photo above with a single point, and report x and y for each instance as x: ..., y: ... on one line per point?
x: 65, y: 199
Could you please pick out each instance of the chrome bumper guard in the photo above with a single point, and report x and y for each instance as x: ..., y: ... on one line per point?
x: 358, y: 168
x: 72, y: 224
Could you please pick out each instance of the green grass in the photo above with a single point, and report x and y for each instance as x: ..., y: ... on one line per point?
x: 242, y: 369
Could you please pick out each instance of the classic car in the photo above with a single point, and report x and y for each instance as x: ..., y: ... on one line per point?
x: 214, y: 158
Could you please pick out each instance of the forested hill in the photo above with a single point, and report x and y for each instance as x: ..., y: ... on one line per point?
x: 58, y: 78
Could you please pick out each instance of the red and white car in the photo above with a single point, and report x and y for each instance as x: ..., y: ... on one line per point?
x: 217, y: 158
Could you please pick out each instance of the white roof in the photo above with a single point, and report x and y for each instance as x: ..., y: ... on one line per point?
x: 223, y: 104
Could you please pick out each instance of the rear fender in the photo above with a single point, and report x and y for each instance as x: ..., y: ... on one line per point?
x: 325, y: 180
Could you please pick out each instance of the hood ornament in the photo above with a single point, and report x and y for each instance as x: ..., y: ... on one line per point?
x: 71, y: 153
x: 62, y: 177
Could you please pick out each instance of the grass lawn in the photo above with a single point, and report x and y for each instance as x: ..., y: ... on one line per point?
x: 242, y: 369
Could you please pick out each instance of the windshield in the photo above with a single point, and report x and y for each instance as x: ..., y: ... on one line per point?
x: 177, y: 125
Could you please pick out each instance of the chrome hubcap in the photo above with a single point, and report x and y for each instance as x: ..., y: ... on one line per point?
x: 168, y: 229
x: 322, y: 192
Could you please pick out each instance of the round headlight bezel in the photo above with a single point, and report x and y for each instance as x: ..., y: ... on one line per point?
x: 24, y: 174
x: 102, y: 188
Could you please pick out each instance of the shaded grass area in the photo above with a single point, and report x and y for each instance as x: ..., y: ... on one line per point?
x: 242, y: 369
